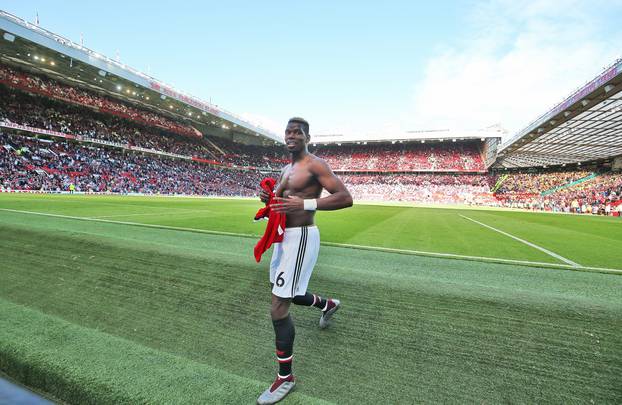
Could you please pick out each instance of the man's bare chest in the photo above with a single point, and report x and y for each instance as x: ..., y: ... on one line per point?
x: 297, y: 179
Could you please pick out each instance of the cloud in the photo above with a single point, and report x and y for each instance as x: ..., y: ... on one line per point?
x: 521, y: 58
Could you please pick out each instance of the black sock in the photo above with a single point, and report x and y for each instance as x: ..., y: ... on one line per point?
x: 310, y: 300
x: 285, y: 334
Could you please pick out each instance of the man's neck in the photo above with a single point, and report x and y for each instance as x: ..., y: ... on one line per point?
x: 298, y: 156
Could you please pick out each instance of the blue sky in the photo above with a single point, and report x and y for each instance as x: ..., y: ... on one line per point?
x: 355, y: 67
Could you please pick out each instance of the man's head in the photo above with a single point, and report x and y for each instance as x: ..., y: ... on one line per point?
x: 297, y: 134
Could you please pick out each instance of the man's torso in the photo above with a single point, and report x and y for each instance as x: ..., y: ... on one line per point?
x: 298, y: 180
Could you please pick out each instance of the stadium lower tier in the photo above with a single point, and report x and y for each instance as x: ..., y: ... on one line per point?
x: 39, y: 164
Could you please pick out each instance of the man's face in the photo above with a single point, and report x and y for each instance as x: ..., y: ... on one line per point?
x: 295, y: 137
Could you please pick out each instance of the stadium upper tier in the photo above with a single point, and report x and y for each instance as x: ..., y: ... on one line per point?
x: 54, y: 107
x: 463, y: 156
x: 586, y: 126
x: 45, y: 104
x: 33, y: 48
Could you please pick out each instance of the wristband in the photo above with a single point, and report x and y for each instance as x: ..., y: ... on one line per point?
x: 310, y: 205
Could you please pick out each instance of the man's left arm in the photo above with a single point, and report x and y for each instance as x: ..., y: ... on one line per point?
x: 339, y: 195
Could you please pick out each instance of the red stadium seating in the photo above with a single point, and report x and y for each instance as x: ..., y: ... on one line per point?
x: 463, y: 156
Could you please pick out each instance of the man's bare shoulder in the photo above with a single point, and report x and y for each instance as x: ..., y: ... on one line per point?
x: 317, y: 162
x: 285, y: 168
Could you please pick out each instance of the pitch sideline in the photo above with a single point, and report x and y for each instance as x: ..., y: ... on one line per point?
x: 575, y: 267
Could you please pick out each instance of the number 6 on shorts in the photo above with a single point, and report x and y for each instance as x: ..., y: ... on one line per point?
x: 280, y: 281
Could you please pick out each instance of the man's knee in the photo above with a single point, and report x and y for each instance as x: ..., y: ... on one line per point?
x: 280, y: 307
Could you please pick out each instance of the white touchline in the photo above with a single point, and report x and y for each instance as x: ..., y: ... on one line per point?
x: 108, y: 221
x: 570, y: 266
x: 533, y: 245
x: 151, y: 214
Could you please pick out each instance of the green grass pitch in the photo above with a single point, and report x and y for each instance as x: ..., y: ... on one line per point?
x: 154, y: 304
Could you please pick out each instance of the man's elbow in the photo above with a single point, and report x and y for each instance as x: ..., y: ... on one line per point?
x: 348, y: 200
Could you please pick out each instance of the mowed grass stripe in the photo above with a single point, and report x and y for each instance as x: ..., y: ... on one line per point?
x: 85, y: 366
x: 413, y: 329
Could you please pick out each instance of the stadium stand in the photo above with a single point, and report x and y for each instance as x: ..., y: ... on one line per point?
x: 31, y: 164
x: 464, y: 156
x: 56, y: 114
x: 579, y: 191
x: 536, y: 183
x: 51, y: 88
x: 421, y: 187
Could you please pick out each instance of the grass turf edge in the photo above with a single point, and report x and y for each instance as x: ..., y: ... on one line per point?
x: 86, y: 366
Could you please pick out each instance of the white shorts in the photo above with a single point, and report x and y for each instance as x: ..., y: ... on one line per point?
x: 293, y: 261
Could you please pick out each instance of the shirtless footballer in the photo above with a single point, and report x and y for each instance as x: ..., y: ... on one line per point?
x: 297, y: 195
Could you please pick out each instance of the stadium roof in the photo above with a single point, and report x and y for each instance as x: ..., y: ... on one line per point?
x: 33, y: 48
x: 409, y: 136
x: 586, y: 126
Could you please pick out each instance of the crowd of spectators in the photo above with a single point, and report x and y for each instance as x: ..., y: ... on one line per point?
x: 536, y: 183
x: 54, y: 89
x: 598, y: 194
x: 240, y: 154
x: 44, y: 113
x: 462, y: 156
x: 28, y: 163
x: 38, y: 164
x: 421, y: 187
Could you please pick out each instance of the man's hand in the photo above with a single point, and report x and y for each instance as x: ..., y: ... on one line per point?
x: 290, y: 204
x: 264, y: 196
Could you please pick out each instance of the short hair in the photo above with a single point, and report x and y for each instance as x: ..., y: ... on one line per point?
x: 303, y: 123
